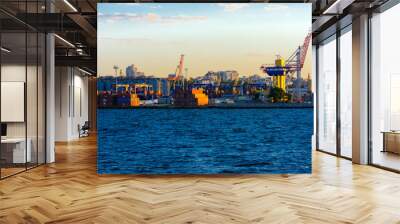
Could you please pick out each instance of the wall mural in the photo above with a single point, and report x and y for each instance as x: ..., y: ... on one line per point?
x: 205, y: 88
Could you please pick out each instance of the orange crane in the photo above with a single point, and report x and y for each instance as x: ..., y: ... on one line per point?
x: 293, y: 64
x: 179, y: 69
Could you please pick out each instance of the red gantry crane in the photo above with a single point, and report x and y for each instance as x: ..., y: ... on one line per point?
x: 294, y: 63
x: 179, y: 69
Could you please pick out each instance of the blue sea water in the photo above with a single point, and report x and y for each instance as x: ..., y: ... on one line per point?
x: 204, y: 141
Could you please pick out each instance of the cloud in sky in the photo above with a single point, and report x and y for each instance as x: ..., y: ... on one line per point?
x: 273, y: 7
x: 233, y: 7
x: 127, y: 40
x: 128, y: 4
x: 196, y: 30
x: 155, y: 6
x: 149, y: 17
x: 148, y: 5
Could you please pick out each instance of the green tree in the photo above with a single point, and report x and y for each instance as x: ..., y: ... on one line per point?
x: 278, y: 95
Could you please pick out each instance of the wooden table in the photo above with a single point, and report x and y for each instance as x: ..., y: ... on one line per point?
x: 391, y: 141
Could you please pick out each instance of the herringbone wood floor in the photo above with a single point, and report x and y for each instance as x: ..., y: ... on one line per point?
x: 70, y: 191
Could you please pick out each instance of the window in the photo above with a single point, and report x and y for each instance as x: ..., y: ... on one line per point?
x: 385, y: 89
x: 327, y: 96
x: 22, y: 87
x: 346, y: 93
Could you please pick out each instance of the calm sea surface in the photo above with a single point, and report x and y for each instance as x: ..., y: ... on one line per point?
x: 204, y: 141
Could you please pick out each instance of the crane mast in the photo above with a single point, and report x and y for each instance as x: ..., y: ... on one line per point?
x: 178, y: 70
x: 180, y: 66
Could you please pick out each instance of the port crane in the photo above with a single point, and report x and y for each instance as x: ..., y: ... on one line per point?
x: 175, y: 78
x: 179, y: 69
x: 292, y: 65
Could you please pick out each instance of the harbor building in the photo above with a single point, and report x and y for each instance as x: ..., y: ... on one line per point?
x: 131, y: 71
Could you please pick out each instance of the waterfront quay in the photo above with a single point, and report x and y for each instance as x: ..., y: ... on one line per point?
x: 151, y: 92
x: 222, y: 106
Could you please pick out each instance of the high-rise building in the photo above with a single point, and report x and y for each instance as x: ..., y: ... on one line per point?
x: 131, y: 71
x: 232, y: 75
x: 228, y: 75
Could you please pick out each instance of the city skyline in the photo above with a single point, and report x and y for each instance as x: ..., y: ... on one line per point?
x: 213, y: 37
x: 141, y: 73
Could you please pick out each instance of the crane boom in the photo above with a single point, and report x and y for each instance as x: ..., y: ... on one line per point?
x: 180, y: 66
x: 178, y: 70
x: 305, y: 49
x: 296, y: 60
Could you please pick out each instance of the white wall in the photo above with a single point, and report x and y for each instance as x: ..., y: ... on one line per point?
x: 80, y: 112
x: 62, y: 83
x: 16, y: 73
x: 33, y: 127
x: 71, y: 103
x: 13, y: 72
